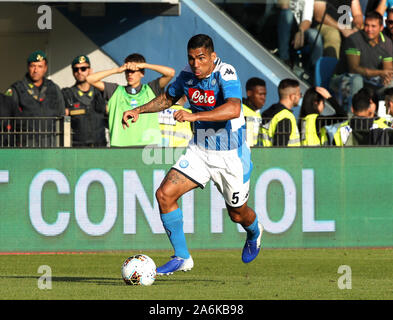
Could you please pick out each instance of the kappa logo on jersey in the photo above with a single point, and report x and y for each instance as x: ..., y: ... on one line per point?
x: 202, y: 97
x: 228, y: 71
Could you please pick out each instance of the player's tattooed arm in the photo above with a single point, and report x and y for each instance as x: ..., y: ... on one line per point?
x: 161, y: 102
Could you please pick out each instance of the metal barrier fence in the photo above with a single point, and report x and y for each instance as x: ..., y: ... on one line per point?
x: 35, y: 132
x: 52, y: 132
x: 361, y: 128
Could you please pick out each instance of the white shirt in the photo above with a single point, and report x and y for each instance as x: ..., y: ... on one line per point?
x: 302, y: 10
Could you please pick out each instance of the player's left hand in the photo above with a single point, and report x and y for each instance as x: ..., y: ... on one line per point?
x: 181, y: 116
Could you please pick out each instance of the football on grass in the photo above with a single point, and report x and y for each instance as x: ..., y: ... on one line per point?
x: 139, y: 270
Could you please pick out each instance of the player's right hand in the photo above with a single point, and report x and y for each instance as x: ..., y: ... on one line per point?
x: 127, y: 115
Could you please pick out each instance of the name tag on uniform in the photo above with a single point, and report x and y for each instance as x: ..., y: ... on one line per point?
x: 77, y: 112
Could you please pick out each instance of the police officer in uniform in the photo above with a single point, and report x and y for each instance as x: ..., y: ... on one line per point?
x: 37, y: 96
x: 86, y: 106
x: 8, y: 109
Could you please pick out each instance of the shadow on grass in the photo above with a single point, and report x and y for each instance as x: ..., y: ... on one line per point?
x: 95, y: 280
x: 167, y: 280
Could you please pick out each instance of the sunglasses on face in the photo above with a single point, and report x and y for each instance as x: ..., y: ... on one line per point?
x: 131, y: 71
x: 76, y: 69
x: 389, y: 22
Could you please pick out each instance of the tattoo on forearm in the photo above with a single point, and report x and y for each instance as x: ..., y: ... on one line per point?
x: 157, y: 104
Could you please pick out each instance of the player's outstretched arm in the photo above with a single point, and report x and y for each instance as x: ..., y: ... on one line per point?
x: 159, y: 103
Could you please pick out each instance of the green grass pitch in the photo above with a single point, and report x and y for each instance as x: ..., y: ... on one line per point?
x: 283, y: 274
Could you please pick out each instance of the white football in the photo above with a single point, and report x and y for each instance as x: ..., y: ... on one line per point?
x: 139, y: 270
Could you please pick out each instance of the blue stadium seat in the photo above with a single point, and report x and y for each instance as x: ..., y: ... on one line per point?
x: 324, y: 69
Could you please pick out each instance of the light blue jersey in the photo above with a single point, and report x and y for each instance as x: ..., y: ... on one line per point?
x: 206, y: 95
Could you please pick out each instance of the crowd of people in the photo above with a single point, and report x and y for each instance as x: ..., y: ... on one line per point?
x: 361, y: 126
x: 95, y: 106
x: 362, y: 78
x: 317, y: 27
x: 358, y: 34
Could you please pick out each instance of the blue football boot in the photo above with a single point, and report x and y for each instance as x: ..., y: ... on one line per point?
x: 175, y: 264
x: 252, y: 248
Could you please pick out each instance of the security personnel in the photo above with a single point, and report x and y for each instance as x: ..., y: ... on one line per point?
x: 279, y: 127
x: 86, y: 106
x: 311, y: 123
x: 37, y: 96
x: 174, y: 133
x: 381, y: 122
x: 253, y: 123
x: 389, y: 105
x: 8, y: 109
x: 309, y: 131
x: 358, y: 129
x: 256, y: 97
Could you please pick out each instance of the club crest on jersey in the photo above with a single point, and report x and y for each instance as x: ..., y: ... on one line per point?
x: 202, y: 97
x: 183, y: 164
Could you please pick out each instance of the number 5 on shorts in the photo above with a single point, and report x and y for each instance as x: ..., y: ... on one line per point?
x: 235, y: 197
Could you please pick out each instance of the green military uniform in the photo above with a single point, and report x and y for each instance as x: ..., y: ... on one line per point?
x: 87, y: 111
x: 32, y: 101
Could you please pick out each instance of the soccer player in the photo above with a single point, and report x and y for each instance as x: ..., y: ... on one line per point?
x: 217, y: 150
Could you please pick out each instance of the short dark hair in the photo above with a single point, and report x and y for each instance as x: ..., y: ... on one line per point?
x: 310, y: 102
x: 201, y: 41
x: 389, y: 92
x: 254, y: 82
x: 374, y: 15
x: 135, y: 57
x: 285, y: 84
x: 361, y: 99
